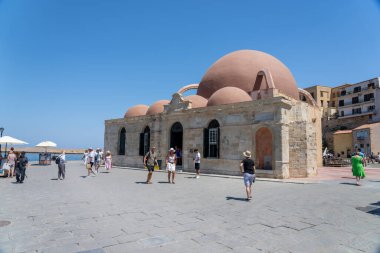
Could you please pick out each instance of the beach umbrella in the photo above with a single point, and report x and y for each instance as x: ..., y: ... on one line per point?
x: 46, y: 144
x: 10, y: 140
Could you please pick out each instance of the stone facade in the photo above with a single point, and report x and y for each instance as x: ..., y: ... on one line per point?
x: 294, y: 125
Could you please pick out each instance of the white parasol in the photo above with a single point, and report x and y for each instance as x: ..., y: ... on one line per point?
x: 10, y: 140
x: 46, y: 144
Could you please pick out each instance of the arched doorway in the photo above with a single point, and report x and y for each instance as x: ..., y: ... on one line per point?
x: 264, y: 149
x: 122, y: 137
x: 176, y: 140
x: 144, y: 141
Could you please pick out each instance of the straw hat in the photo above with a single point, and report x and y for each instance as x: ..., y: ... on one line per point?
x: 171, y: 149
x: 247, y: 153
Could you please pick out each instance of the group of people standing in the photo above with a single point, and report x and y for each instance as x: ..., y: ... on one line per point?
x: 94, y: 158
x: 171, y: 160
x: 15, y: 165
x: 247, y: 167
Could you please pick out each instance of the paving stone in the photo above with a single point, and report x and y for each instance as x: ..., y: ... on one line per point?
x: 112, y: 213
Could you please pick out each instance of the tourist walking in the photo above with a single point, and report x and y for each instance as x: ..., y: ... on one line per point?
x: 22, y: 163
x: 108, y: 161
x: 357, y: 167
x: 150, y: 160
x: 247, y: 167
x: 90, y: 161
x: 11, y: 160
x: 171, y: 160
x: 197, y: 162
x: 60, y: 161
x: 84, y: 157
x: 97, y: 160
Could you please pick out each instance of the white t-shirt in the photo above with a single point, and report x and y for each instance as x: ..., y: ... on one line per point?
x: 197, y: 157
x: 91, y: 157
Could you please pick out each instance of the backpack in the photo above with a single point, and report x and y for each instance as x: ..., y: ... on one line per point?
x: 57, y: 160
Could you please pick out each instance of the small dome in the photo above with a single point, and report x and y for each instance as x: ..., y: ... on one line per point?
x: 196, y: 101
x: 240, y: 69
x: 228, y: 95
x: 157, y: 107
x: 137, y: 110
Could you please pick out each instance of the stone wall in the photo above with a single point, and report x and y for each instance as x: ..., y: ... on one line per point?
x: 290, y: 121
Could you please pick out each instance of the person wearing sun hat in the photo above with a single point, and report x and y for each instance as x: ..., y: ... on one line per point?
x: 171, y: 160
x: 247, y: 168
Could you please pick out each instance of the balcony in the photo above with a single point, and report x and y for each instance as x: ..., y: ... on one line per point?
x: 351, y: 92
x: 350, y: 115
x: 361, y: 101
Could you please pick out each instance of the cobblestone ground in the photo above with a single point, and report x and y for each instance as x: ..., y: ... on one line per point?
x: 116, y: 212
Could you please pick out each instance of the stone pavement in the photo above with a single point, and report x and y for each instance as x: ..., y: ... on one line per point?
x: 116, y: 212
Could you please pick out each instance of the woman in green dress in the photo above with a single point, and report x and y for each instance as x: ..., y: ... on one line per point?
x: 357, y: 167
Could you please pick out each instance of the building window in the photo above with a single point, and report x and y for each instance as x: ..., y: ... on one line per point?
x: 341, y: 102
x: 333, y: 95
x: 357, y: 89
x: 321, y: 102
x: 122, y: 137
x: 144, y: 141
x: 371, y: 85
x: 355, y: 100
x: 371, y: 108
x: 361, y: 135
x: 343, y: 93
x: 211, y: 140
x: 333, y: 104
x: 342, y: 113
x: 321, y: 94
x: 368, y: 97
x: 357, y: 111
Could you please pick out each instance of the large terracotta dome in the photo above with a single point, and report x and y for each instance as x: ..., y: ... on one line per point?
x: 196, y: 101
x: 228, y: 95
x: 157, y: 107
x: 240, y: 68
x: 137, y: 110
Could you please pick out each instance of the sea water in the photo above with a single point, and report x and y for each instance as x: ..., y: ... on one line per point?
x: 33, y: 157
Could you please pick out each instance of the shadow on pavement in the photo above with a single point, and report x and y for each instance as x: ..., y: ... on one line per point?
x: 349, y: 183
x: 163, y: 182
x: 235, y: 198
x: 54, y: 179
x: 140, y: 182
x: 376, y: 204
x: 190, y: 177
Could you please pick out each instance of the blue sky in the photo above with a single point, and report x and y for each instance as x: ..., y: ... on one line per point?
x: 66, y: 66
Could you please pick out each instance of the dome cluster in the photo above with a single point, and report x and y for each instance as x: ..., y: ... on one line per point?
x: 230, y: 80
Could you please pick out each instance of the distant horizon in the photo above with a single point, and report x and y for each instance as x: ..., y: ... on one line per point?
x: 67, y: 66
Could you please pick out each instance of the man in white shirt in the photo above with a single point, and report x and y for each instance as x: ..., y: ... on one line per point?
x: 90, y: 160
x: 197, y: 162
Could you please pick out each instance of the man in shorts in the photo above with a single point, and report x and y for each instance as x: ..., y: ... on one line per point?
x: 90, y: 161
x: 197, y: 162
x: 247, y: 167
x: 150, y: 159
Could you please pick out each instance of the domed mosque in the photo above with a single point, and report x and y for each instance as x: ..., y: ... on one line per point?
x: 247, y: 100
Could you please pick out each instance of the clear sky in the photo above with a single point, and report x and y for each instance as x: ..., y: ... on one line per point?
x: 68, y: 65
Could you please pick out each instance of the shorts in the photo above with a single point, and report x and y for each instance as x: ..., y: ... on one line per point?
x: 170, y: 167
x: 90, y: 166
x: 150, y: 168
x: 197, y: 166
x: 249, y: 179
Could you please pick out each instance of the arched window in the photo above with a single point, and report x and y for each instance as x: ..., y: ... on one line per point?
x: 211, y: 140
x: 144, y: 141
x: 122, y: 137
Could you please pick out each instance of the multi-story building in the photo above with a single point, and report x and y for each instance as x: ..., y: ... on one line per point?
x: 359, y: 99
x: 348, y: 107
x: 322, y: 96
